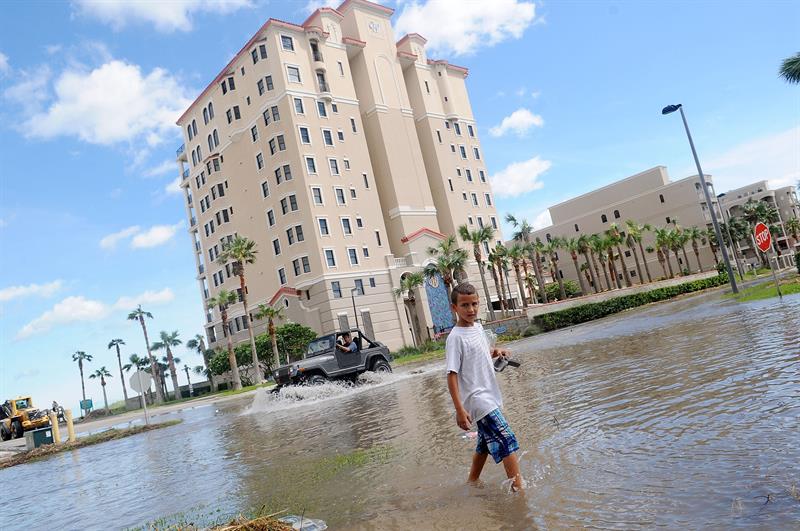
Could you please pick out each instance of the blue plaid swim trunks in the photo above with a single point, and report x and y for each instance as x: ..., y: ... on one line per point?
x: 495, y: 437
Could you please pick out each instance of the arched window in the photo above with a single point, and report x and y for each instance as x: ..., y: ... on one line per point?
x: 199, y: 154
x: 576, y: 228
x: 216, y: 138
x: 210, y: 111
x: 547, y: 237
x: 661, y: 197
x: 205, y: 116
x: 194, y: 158
x: 616, y: 214
x: 194, y: 127
x: 189, y: 131
x: 604, y: 219
x: 210, y: 144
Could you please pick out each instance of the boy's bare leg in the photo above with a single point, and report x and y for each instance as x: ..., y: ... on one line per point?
x: 478, y: 460
x: 511, y: 464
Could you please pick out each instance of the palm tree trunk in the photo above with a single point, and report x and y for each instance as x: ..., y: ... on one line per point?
x: 498, y: 291
x: 644, y: 259
x: 153, y: 365
x: 638, y: 266
x: 274, y: 339
x: 580, y: 277
x: 121, y: 377
x: 486, y: 290
x: 669, y: 264
x: 531, y: 290
x: 520, y: 287
x: 256, y: 366
x: 559, y: 280
x: 612, y: 268
x: 508, y: 287
x: 677, y: 261
x: 609, y: 286
x: 537, y: 266
x: 663, y: 267
x: 237, y: 379
x: 597, y: 271
x: 624, y: 267
x: 697, y: 257
x: 212, y: 382
x: 173, y: 374
x: 83, y: 385
x: 591, y: 272
x: 686, y: 257
x: 105, y: 398
x: 714, y: 251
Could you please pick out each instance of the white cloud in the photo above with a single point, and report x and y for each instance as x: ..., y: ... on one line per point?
x: 519, y: 122
x: 147, y: 298
x: 4, y: 66
x: 110, y: 241
x: 80, y: 309
x: 41, y: 290
x: 110, y: 104
x: 519, y: 177
x: 168, y: 166
x: 69, y: 310
x: 542, y: 220
x: 775, y: 158
x: 155, y: 236
x: 313, y: 5
x: 174, y: 187
x: 30, y: 91
x: 164, y: 16
x: 460, y: 28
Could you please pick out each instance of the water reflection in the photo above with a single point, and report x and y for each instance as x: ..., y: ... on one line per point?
x: 681, y: 415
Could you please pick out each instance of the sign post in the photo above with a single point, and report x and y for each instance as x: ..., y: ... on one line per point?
x: 140, y: 381
x: 764, y: 242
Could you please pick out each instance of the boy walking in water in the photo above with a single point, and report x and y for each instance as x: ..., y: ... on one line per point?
x: 473, y: 387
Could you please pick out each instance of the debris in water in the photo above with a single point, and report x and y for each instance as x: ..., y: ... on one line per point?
x: 303, y: 524
x: 736, y: 507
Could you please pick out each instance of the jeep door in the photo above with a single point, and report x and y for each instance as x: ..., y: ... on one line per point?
x: 348, y: 360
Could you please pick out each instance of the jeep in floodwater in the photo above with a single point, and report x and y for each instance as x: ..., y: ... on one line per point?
x: 324, y: 361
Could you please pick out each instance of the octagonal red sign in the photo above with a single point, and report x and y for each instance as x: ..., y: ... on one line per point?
x: 762, y: 236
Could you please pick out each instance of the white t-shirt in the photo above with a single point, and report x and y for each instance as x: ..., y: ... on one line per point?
x: 467, y: 354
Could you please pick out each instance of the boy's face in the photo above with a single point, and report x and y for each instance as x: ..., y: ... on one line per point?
x: 467, y: 308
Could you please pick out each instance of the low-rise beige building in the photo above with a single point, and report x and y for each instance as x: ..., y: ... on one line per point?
x: 784, y: 200
x: 344, y: 154
x: 649, y: 197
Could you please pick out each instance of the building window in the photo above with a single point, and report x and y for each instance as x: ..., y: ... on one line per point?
x: 346, y: 228
x: 446, y: 124
x: 294, y: 74
x: 366, y: 180
x: 616, y: 214
x: 323, y: 113
x: 296, y: 267
x: 469, y: 220
x: 334, y: 108
x: 287, y: 43
x: 311, y: 165
x: 298, y: 231
x: 457, y: 128
x: 359, y: 286
x: 482, y: 175
x: 262, y: 50
x: 327, y: 137
x: 340, y: 135
x: 266, y: 116
x: 323, y: 227
x: 305, y: 138
x: 265, y: 189
x: 353, y: 193
x: 336, y: 289
x: 480, y: 222
x: 298, y: 106
x: 334, y: 164
x: 668, y: 220
x: 205, y: 116
x: 439, y: 136
x: 276, y: 115
x: 469, y: 174
x: 346, y: 163
x: 276, y: 246
x: 254, y: 55
x: 317, y: 195
x: 576, y: 228
x: 330, y: 258
x: 254, y: 132
x: 236, y: 114
x: 450, y: 182
x: 604, y: 218
x: 341, y: 68
x: 463, y: 152
x: 471, y: 131
x: 306, y: 265
x: 359, y: 223
x: 268, y: 79
x: 453, y: 148
x: 260, y: 85
x: 661, y: 197
x: 488, y: 198
x: 290, y: 235
x: 378, y: 237
x: 353, y: 125
x: 494, y: 222
x: 282, y: 276
x: 278, y: 175
x: 271, y: 217
x: 477, y: 153
x: 272, y: 146
x: 464, y: 196
x: 474, y: 199
x: 427, y: 88
x: 340, y: 199
x: 371, y: 281
x: 352, y: 254
x: 281, y: 143
x: 259, y: 161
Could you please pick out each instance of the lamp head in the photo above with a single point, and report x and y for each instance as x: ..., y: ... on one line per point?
x: 670, y: 109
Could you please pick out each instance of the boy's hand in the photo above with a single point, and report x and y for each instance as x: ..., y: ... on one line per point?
x: 500, y: 352
x: 463, y: 419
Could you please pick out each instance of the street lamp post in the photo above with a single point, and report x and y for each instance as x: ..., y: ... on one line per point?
x: 353, y: 297
x: 670, y: 109
x: 730, y: 236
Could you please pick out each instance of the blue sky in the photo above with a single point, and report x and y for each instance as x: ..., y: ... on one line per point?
x: 567, y: 97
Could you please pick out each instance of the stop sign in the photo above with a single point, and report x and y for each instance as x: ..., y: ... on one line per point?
x: 763, y: 237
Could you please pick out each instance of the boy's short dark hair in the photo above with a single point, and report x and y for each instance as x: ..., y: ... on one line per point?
x: 465, y: 288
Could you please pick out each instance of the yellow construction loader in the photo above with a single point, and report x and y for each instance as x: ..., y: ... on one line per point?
x: 18, y: 416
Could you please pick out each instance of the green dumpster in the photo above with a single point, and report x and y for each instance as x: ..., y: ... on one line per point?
x: 36, y: 438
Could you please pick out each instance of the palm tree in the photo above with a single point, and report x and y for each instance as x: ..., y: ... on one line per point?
x: 80, y: 356
x: 753, y: 212
x: 597, y: 248
x: 793, y: 228
x: 636, y: 233
x: 676, y: 244
x: 477, y: 238
x: 243, y: 251
x: 224, y: 299
x: 498, y: 287
x: 790, y: 69
x: 140, y: 364
x: 189, y: 379
x: 198, y: 344
x: 271, y: 314
x: 449, y: 262
x: 711, y: 237
x: 611, y: 262
x: 102, y: 373
x: 661, y: 259
x: 524, y: 233
x: 679, y: 233
x: 696, y: 235
x: 663, y: 244
x: 502, y: 257
x: 551, y: 250
x: 517, y: 255
x: 571, y: 245
x: 116, y: 343
x: 138, y: 315
x: 167, y: 342
x: 584, y: 248
x: 617, y: 239
x: 409, y: 283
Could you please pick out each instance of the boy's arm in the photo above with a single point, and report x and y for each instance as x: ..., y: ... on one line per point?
x: 462, y: 417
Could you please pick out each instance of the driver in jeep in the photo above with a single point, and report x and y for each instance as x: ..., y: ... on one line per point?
x: 347, y: 344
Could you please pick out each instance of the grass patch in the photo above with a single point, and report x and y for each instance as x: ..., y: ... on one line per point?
x: 766, y: 290
x: 230, y: 392
x: 109, y: 435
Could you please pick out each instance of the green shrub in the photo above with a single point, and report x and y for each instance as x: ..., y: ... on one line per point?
x: 571, y: 289
x: 292, y: 339
x: 428, y: 346
x: 596, y: 310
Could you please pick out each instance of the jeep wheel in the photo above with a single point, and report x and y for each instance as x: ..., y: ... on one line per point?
x: 16, y: 429
x: 4, y: 434
x: 316, y: 379
x: 381, y: 366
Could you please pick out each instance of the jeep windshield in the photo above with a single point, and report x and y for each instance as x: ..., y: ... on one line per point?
x: 23, y: 403
x: 319, y: 346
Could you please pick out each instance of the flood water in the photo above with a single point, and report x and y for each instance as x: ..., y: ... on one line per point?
x: 682, y: 415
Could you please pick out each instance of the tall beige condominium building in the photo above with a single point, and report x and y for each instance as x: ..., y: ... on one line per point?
x: 344, y: 155
x: 784, y: 200
x: 647, y: 197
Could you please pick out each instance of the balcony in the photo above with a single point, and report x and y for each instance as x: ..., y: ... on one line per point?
x: 180, y: 153
x: 193, y: 221
x: 189, y: 200
x: 186, y: 173
x: 201, y: 269
x: 197, y: 246
x: 317, y: 56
